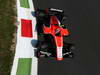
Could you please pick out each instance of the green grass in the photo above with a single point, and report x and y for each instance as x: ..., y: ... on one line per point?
x: 7, y: 28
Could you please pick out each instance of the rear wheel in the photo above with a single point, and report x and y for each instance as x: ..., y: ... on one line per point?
x: 40, y: 13
x: 65, y: 21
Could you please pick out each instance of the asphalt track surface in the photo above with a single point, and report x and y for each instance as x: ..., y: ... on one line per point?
x: 85, y: 29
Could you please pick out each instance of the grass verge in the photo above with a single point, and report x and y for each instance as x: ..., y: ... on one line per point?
x: 7, y: 29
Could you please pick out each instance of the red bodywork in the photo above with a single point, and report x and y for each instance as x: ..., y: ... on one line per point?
x: 55, y: 25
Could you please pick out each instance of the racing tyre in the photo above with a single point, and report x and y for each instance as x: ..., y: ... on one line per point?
x: 37, y: 54
x: 69, y: 55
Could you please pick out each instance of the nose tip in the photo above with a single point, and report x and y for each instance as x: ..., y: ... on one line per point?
x: 60, y: 59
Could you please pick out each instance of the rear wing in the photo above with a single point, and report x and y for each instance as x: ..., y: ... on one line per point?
x: 58, y: 10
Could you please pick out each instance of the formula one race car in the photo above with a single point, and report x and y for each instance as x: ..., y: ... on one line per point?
x: 51, y: 30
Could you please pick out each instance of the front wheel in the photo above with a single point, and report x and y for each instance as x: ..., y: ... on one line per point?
x: 68, y: 55
x: 69, y: 46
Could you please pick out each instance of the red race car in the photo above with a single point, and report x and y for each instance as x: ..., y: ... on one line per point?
x: 51, y: 30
